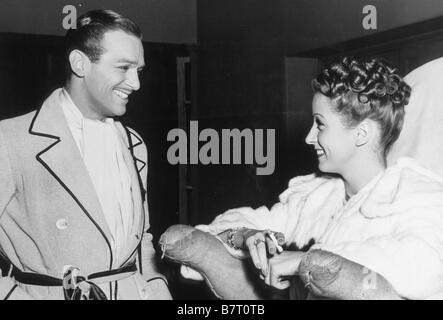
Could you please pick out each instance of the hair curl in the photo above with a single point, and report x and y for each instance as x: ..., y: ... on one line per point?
x: 366, y: 89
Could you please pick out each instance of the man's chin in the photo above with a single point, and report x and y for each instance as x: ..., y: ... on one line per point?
x: 121, y: 113
x: 119, y: 110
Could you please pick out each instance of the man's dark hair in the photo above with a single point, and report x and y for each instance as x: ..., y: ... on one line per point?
x: 90, y: 30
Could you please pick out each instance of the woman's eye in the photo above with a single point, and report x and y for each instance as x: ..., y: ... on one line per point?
x: 124, y: 68
x: 320, y: 125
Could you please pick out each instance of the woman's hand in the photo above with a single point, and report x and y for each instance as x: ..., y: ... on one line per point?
x: 282, y: 267
x: 260, y: 245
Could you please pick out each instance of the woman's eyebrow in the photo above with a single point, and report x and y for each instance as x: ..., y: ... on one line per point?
x: 318, y: 114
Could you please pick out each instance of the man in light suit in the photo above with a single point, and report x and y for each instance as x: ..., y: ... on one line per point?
x: 73, y: 212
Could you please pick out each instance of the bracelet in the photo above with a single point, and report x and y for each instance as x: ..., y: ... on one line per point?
x: 230, y: 238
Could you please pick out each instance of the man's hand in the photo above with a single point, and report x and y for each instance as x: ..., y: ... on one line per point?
x: 282, y: 267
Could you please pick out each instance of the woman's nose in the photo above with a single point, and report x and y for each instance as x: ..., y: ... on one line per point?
x: 311, y: 138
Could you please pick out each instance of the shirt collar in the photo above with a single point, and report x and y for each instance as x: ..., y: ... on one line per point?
x: 73, y: 114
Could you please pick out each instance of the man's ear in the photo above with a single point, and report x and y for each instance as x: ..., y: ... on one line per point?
x: 79, y: 63
x: 363, y: 133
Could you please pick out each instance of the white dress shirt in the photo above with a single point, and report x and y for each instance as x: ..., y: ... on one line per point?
x: 100, y: 144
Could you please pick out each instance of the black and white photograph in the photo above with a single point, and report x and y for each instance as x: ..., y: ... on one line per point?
x: 221, y: 150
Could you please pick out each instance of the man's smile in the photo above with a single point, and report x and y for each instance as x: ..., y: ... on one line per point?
x: 122, y: 94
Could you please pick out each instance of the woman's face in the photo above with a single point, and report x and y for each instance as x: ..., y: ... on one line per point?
x: 333, y: 142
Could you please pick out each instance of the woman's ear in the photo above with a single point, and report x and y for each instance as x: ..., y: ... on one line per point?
x: 363, y: 133
x: 79, y: 63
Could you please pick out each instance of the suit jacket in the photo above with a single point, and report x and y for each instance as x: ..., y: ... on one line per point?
x: 50, y: 215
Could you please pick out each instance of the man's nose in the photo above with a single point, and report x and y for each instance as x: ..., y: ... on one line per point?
x: 133, y: 80
x: 311, y: 138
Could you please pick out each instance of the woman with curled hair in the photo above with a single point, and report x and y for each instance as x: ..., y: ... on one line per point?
x: 366, y: 90
x: 377, y: 230
x: 358, y: 111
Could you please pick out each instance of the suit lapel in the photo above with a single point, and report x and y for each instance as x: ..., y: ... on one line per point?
x: 62, y: 159
x: 140, y: 163
x: 139, y: 216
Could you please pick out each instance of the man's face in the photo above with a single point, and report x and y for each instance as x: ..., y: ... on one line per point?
x: 110, y: 80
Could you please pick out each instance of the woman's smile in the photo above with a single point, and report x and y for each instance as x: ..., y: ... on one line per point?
x: 320, y: 153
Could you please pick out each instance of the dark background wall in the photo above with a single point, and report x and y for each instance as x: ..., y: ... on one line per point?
x: 312, y: 24
x: 163, y: 21
x: 241, y: 84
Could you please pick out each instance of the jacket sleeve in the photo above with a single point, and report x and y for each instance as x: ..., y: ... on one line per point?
x: 305, y: 209
x: 8, y: 286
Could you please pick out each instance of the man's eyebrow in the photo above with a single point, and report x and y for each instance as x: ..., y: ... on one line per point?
x: 124, y: 60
